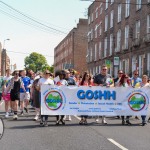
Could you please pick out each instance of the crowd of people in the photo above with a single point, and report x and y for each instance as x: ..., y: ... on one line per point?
x: 22, y: 88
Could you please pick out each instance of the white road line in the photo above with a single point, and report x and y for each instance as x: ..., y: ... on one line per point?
x: 111, y: 140
x: 117, y: 144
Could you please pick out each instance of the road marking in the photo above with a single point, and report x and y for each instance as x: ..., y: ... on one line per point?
x: 117, y: 144
x: 111, y: 140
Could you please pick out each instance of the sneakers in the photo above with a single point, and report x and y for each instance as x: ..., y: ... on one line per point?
x: 103, y: 121
x: 15, y: 117
x: 26, y: 109
x: 42, y: 123
x: 96, y: 120
x: 21, y: 113
x: 6, y: 115
x: 36, y: 118
x: 136, y: 117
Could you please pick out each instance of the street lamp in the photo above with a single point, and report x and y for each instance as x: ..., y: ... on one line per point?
x: 4, y: 43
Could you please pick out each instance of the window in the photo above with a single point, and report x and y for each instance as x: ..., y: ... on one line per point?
x: 96, y: 31
x: 92, y: 17
x: 118, y: 40
x: 106, y: 22
x: 111, y: 44
x: 106, y: 4
x: 148, y: 63
x: 101, y: 9
x: 119, y: 12
x: 100, y: 49
x: 100, y: 28
x: 91, y: 55
x: 148, y: 24
x: 96, y: 13
x: 126, y: 36
x: 95, y: 52
x: 111, y: 18
x: 148, y: 1
x: 141, y: 65
x: 138, y: 4
x: 127, y: 8
x: 91, y: 34
x: 89, y: 20
x: 137, y: 30
x: 112, y: 1
x: 105, y: 47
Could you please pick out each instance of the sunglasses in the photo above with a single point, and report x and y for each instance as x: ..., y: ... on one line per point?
x: 47, y: 73
x: 104, y: 69
x: 136, y: 74
x: 16, y: 74
x: 120, y: 73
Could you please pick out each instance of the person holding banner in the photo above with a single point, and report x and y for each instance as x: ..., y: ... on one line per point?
x: 135, y: 82
x: 61, y: 82
x: 144, y: 83
x: 125, y: 82
x: 103, y: 79
x: 70, y: 80
x: 86, y: 81
x: 42, y: 81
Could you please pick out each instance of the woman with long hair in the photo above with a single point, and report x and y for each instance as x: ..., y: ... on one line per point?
x: 125, y: 82
x: 144, y: 83
x: 62, y: 81
x: 86, y: 81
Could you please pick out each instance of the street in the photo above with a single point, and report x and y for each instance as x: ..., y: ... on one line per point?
x: 26, y: 134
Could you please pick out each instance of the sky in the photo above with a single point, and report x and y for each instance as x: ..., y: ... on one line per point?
x: 62, y: 15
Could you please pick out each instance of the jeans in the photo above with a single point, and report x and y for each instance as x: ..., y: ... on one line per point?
x: 44, y: 116
x: 143, y: 118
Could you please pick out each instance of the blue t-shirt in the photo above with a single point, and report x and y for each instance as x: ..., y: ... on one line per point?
x: 26, y: 82
x: 134, y: 81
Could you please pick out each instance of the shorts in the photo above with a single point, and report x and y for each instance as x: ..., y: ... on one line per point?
x: 14, y: 96
x: 24, y: 96
x: 6, y: 97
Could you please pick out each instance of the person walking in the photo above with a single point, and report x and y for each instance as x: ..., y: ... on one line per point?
x: 6, y: 97
x: 125, y: 82
x: 86, y: 81
x: 45, y: 80
x: 14, y: 87
x: 25, y: 96
x: 135, y: 83
x: 62, y: 81
x: 144, y: 83
x: 71, y: 82
x: 101, y: 80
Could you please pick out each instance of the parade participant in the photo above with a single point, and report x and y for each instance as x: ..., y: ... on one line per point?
x: 62, y: 81
x: 35, y: 97
x: 43, y: 81
x: 144, y: 83
x: 70, y: 81
x: 14, y: 85
x: 25, y: 96
x: 86, y: 81
x: 125, y: 82
x: 6, y: 97
x: 135, y: 82
x: 116, y: 80
x: 78, y: 79
x: 101, y: 80
x: 1, y: 87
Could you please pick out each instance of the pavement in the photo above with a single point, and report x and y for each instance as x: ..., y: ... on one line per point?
x: 26, y: 134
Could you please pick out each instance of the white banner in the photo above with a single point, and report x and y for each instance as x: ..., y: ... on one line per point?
x: 83, y: 100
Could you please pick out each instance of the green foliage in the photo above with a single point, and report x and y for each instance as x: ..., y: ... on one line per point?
x: 36, y: 62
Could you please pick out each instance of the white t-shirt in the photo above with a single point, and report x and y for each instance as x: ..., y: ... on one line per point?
x: 45, y: 81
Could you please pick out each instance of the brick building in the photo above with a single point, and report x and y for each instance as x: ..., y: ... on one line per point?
x: 70, y: 53
x: 119, y: 36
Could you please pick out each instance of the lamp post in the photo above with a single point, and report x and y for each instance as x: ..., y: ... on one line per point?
x: 4, y: 58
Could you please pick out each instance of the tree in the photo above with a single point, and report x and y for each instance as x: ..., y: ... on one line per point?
x: 36, y: 62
